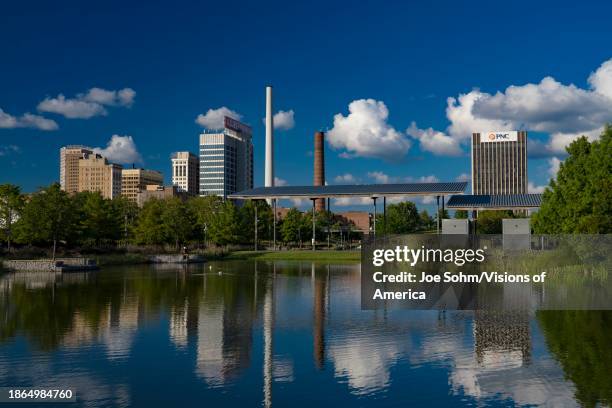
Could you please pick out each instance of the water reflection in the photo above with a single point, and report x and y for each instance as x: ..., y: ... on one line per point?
x: 265, y: 333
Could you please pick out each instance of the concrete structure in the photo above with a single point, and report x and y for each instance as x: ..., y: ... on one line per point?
x: 516, y: 234
x: 269, y: 171
x: 135, y: 180
x: 499, y: 162
x: 226, y: 159
x: 319, y: 167
x: 177, y: 259
x: 186, y: 172
x: 159, y: 192
x: 461, y: 226
x: 97, y: 174
x: 50, y: 265
x: 516, y: 226
x: 69, y: 166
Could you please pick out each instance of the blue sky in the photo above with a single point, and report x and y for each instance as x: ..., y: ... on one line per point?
x: 182, y: 59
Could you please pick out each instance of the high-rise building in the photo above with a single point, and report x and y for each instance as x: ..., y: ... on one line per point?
x: 226, y: 159
x: 499, y: 162
x: 97, y: 174
x: 69, y: 166
x: 135, y: 180
x: 186, y: 172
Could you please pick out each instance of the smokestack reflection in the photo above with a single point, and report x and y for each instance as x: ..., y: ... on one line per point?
x: 268, y: 332
x: 319, y: 307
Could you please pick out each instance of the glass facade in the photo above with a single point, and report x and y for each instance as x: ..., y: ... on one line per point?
x: 226, y: 161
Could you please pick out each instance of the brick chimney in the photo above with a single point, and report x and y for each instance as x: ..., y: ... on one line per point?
x: 319, y: 166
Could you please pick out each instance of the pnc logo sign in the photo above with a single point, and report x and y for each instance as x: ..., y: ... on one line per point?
x: 488, y: 137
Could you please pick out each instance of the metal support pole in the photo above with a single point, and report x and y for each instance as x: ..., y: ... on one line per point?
x: 442, y: 206
x: 313, y: 223
x: 437, y: 214
x: 274, y: 226
x: 385, y: 214
x: 374, y: 229
x: 255, y: 224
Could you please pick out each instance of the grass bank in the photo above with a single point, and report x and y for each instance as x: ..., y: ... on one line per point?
x: 137, y: 258
x: 300, y: 255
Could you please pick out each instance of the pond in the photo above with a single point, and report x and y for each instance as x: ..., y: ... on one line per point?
x: 253, y: 333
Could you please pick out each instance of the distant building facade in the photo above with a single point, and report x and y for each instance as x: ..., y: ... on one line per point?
x: 159, y: 192
x: 360, y: 220
x: 499, y: 162
x: 186, y: 172
x: 226, y: 159
x: 95, y: 173
x: 135, y: 180
x: 69, y: 166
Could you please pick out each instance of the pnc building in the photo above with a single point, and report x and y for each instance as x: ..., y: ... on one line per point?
x: 226, y: 159
x: 499, y: 162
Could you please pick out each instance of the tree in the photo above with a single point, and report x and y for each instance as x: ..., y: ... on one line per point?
x: 490, y: 222
x: 225, y: 226
x: 204, y: 209
x: 177, y: 220
x: 98, y: 219
x: 580, y: 199
x: 402, y: 218
x: 149, y: 228
x: 426, y: 221
x: 461, y: 214
x: 127, y: 213
x: 247, y: 220
x: 48, y: 217
x: 11, y: 205
x: 293, y: 227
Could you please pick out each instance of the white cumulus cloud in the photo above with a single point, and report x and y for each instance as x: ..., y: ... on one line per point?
x: 564, y: 111
x: 535, y: 189
x: 27, y: 120
x: 365, y: 132
x: 380, y: 177
x: 435, y: 142
x: 554, y: 163
x: 120, y: 149
x: 463, y: 177
x: 284, y: 120
x: 279, y: 182
x: 89, y: 104
x: 215, y: 118
x: 346, y: 178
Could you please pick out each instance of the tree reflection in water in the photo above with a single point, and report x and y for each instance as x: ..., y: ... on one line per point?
x: 227, y: 316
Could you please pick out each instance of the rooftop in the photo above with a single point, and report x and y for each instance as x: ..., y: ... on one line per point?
x: 359, y: 190
x: 495, y: 202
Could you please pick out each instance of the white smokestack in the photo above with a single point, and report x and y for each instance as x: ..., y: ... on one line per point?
x: 269, y: 181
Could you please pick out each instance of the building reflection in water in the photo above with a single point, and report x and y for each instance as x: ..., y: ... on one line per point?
x: 486, y: 354
x: 502, y: 338
x: 224, y: 331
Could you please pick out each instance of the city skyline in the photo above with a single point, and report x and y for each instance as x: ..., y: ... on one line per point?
x: 163, y: 96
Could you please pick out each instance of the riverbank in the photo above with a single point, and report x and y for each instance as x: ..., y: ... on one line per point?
x: 300, y: 255
x: 132, y: 258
